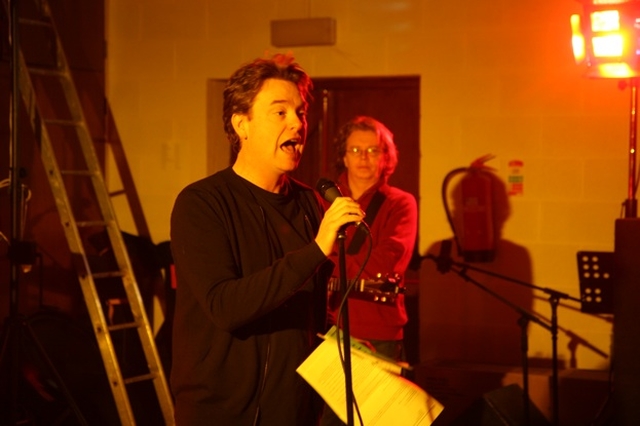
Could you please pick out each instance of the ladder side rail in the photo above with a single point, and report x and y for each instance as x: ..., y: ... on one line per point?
x: 89, y: 153
x: 117, y: 242
x: 91, y: 162
x: 133, y: 199
x: 79, y: 257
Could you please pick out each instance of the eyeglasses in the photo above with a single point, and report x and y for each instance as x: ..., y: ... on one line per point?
x: 372, y: 151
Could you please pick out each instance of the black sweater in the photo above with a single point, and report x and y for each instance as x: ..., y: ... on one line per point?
x: 250, y: 298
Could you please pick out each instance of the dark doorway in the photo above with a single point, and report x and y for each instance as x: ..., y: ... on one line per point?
x: 395, y: 101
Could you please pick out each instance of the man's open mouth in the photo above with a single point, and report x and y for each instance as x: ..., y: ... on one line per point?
x: 290, y: 145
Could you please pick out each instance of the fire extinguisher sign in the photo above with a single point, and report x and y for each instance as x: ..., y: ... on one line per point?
x: 515, y: 180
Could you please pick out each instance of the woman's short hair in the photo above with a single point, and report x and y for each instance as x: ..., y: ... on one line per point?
x: 385, y: 140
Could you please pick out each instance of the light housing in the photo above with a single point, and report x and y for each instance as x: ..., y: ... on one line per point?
x: 606, y: 38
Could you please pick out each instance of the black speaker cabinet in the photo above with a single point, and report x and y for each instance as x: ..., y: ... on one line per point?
x: 501, y: 407
x: 626, y: 322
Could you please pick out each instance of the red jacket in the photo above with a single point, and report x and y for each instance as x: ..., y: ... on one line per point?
x: 393, y: 235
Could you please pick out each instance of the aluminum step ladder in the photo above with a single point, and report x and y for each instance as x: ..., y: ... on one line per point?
x: 71, y: 163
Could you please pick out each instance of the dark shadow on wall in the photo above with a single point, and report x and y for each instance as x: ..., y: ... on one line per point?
x: 462, y: 324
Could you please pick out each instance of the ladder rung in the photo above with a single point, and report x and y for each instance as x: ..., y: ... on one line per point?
x: 124, y: 326
x: 35, y: 22
x: 140, y: 378
x: 113, y: 274
x: 116, y: 193
x: 89, y: 223
x: 46, y: 71
x: 60, y: 122
x: 78, y: 172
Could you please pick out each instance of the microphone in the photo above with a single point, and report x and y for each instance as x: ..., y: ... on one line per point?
x: 330, y: 191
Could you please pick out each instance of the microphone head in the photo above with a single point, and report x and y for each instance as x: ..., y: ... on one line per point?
x: 328, y: 189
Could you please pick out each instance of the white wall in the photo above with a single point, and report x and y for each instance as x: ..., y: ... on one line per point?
x: 496, y: 77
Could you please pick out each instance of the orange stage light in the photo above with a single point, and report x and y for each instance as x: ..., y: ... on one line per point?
x: 607, y: 38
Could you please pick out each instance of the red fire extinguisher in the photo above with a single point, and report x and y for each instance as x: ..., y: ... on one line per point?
x: 474, y: 235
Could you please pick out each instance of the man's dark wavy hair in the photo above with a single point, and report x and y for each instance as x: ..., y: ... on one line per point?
x: 245, y: 83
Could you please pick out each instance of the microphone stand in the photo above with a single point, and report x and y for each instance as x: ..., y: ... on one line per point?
x: 346, y: 335
x: 525, y: 317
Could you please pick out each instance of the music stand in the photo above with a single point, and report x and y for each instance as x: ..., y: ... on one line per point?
x: 595, y: 272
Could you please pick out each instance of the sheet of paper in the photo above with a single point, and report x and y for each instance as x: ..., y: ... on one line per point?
x: 382, y: 396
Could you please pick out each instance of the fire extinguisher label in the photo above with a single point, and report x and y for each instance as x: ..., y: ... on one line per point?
x: 515, y: 180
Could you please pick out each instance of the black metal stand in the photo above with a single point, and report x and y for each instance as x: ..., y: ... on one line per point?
x: 445, y: 265
x: 14, y: 179
x: 631, y: 204
x: 346, y: 335
x: 624, y: 391
x: 625, y: 318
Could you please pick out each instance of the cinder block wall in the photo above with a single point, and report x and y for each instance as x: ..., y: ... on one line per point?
x: 496, y: 78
